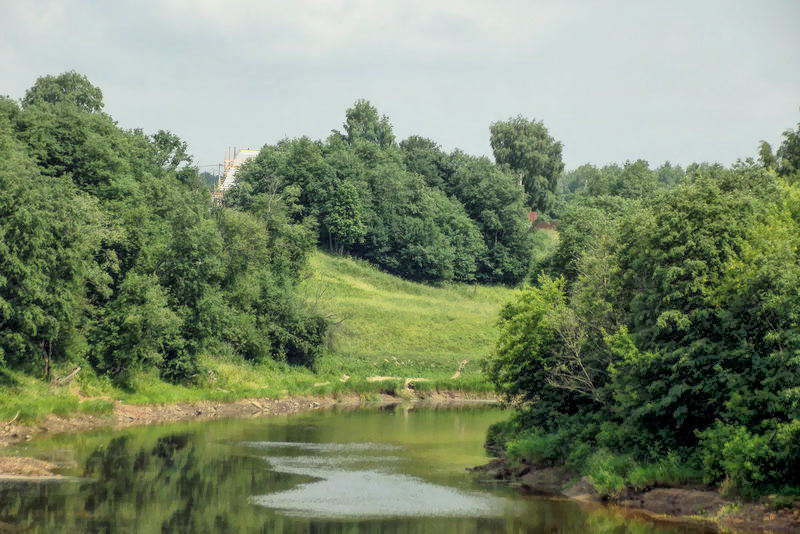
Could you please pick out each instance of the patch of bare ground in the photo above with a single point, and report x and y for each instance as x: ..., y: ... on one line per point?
x: 21, y: 467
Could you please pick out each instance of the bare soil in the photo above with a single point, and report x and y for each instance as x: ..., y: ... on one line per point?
x: 21, y: 467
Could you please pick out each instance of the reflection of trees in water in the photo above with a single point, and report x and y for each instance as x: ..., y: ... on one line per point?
x: 169, y: 487
x: 22, y: 502
x: 185, y: 483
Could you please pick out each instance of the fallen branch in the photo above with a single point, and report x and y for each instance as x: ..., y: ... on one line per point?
x: 461, y: 366
x: 12, y: 420
x: 63, y: 380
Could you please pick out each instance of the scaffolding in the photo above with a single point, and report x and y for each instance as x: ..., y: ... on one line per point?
x: 234, y: 159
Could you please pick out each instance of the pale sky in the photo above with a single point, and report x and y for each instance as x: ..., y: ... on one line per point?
x: 616, y: 80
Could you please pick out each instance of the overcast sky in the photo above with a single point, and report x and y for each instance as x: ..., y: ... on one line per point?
x: 616, y: 80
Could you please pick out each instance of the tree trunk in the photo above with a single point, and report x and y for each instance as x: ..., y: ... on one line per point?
x: 46, y: 354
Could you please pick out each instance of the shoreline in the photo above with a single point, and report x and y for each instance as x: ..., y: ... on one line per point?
x: 687, y: 505
x: 129, y: 415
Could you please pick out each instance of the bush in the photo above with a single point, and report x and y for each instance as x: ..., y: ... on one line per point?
x: 608, y: 471
x: 749, y: 464
x: 537, y: 448
x: 671, y: 470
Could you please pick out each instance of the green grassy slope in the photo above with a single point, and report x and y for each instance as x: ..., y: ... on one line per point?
x: 389, y: 326
x: 386, y: 327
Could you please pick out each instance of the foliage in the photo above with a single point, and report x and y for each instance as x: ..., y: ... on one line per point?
x: 411, y: 209
x: 527, y: 148
x: 786, y: 160
x: 69, y: 87
x: 667, y: 320
x: 49, y: 233
x: 111, y: 253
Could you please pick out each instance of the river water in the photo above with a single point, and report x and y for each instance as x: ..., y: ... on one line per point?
x: 397, y: 469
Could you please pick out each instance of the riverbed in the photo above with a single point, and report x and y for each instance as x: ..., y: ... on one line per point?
x: 399, y: 468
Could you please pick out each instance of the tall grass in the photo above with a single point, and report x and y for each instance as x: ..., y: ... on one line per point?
x: 611, y: 473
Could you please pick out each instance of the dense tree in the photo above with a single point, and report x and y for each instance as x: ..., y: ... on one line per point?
x: 494, y: 201
x: 425, y: 157
x: 406, y: 209
x: 49, y: 233
x: 363, y: 122
x: 112, y: 253
x: 669, y: 322
x: 69, y: 87
x: 788, y: 154
x: 527, y: 148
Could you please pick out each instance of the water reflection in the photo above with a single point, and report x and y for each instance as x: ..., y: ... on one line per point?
x: 342, y: 472
x: 358, y: 486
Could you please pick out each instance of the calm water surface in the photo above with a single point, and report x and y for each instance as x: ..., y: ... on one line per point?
x: 398, y: 469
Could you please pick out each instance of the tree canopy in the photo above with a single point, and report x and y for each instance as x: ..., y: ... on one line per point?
x: 112, y: 254
x: 665, y: 321
x: 411, y: 208
x: 527, y: 148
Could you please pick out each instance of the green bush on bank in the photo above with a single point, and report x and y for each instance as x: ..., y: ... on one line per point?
x: 659, y: 342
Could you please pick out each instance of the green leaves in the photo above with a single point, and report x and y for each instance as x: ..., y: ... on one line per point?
x: 527, y: 148
x: 414, y: 210
x: 49, y: 234
x: 109, y: 247
x: 682, y: 310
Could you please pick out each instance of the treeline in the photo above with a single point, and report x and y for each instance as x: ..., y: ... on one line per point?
x: 409, y: 207
x: 112, y: 254
x: 659, y: 343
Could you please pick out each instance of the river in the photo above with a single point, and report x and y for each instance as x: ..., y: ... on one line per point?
x: 398, y: 469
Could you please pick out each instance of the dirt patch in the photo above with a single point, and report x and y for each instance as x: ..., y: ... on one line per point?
x: 16, y: 466
x: 545, y: 481
x: 678, y: 501
x: 760, y: 518
x: 582, y: 490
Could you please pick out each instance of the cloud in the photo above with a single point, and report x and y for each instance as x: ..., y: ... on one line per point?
x: 677, y: 80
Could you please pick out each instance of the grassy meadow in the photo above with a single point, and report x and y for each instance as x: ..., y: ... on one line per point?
x: 383, y: 325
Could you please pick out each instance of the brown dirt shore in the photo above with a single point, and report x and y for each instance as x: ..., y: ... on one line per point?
x: 125, y: 415
x: 684, y: 505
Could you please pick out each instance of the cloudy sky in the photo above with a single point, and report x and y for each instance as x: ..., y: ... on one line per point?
x: 617, y: 80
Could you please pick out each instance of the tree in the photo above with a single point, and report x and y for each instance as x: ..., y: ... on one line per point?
x: 49, y: 234
x: 788, y: 154
x: 493, y: 199
x: 69, y: 87
x: 362, y: 122
x: 342, y: 217
x: 527, y: 148
x: 137, y: 328
x: 424, y: 157
x: 170, y: 151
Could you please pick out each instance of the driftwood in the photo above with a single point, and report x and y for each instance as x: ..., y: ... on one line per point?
x: 460, y: 369
x: 64, y: 379
x: 12, y: 420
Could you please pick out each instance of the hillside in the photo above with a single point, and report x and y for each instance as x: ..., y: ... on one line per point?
x: 389, y: 326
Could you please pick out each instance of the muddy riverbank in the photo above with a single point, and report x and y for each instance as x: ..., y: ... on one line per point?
x: 686, y: 505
